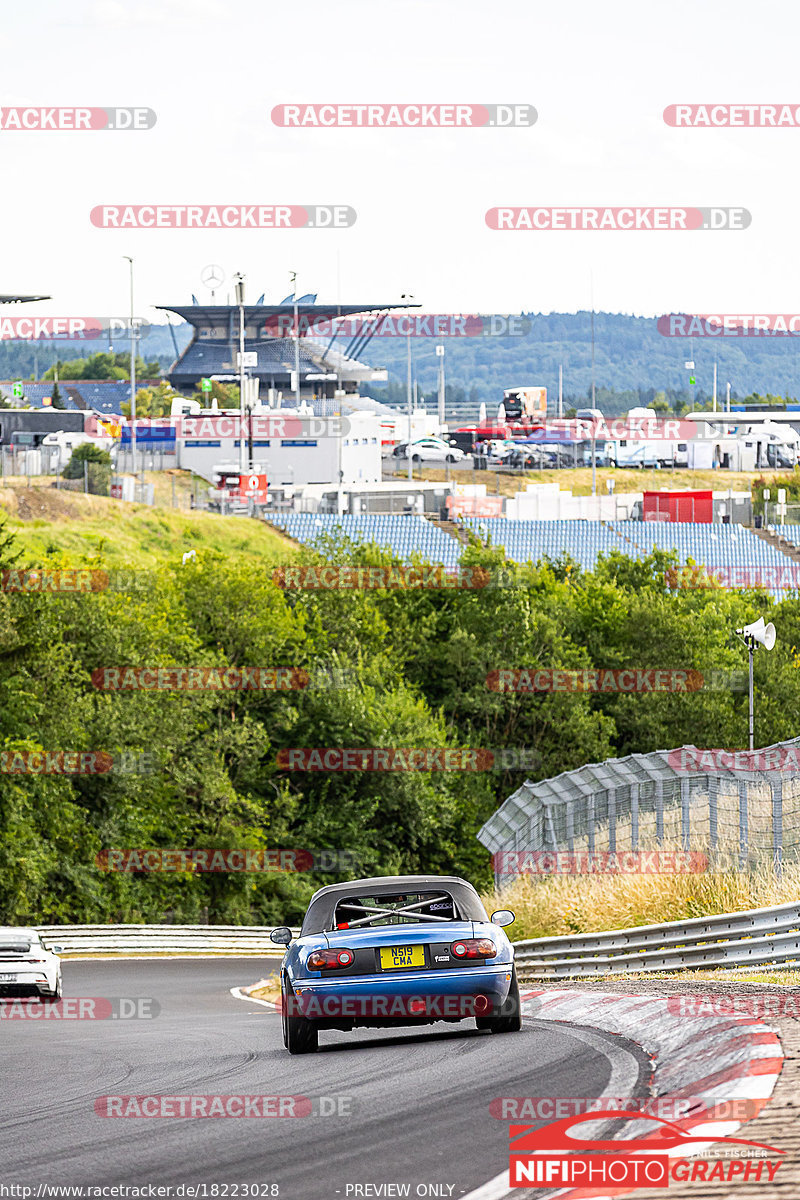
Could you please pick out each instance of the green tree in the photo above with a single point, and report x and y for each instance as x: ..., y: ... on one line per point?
x: 89, y: 462
x: 225, y: 394
x: 55, y: 397
x: 153, y: 401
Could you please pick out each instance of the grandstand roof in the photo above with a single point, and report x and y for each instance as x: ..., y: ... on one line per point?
x: 199, y: 314
x: 8, y: 298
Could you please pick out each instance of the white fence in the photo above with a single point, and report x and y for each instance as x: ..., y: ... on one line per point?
x: 125, y: 940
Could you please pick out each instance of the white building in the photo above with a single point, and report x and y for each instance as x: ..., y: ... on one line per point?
x: 293, y: 448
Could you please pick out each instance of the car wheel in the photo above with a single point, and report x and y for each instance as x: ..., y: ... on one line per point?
x: 450, y: 458
x: 509, y: 1018
x: 300, y: 1036
x: 56, y: 996
x: 415, y: 458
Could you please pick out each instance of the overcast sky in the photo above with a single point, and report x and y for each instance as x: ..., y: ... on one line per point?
x: 599, y: 75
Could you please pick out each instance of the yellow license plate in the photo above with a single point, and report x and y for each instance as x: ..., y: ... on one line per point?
x: 394, y: 957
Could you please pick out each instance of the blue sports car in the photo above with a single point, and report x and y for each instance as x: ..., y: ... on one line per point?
x: 396, y: 950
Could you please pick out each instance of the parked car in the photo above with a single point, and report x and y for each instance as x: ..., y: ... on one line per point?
x: 432, y: 449
x: 499, y: 451
x: 530, y: 458
x: 396, y: 950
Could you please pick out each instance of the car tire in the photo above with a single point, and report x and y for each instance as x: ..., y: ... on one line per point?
x: 56, y: 996
x: 416, y: 458
x: 300, y: 1036
x: 509, y: 1018
x: 450, y: 458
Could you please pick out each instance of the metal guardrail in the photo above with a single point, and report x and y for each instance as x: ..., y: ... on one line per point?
x: 125, y: 940
x: 759, y: 937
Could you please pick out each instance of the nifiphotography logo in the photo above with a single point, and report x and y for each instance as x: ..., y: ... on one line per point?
x: 554, y: 1156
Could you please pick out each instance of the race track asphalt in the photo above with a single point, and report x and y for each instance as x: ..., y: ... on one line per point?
x: 418, y: 1100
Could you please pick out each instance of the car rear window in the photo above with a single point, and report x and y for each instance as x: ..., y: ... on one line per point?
x: 15, y: 945
x: 406, y: 908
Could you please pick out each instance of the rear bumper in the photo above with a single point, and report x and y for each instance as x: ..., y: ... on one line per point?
x: 9, y: 990
x: 407, y: 998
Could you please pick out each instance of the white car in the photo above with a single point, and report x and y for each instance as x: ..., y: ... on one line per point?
x: 435, y: 450
x: 27, y: 967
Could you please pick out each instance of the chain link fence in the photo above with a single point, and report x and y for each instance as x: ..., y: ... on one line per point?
x: 740, y: 817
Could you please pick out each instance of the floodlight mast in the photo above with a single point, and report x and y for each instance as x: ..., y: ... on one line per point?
x: 239, y: 287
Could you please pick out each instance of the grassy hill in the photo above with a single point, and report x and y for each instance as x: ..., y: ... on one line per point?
x: 46, y: 521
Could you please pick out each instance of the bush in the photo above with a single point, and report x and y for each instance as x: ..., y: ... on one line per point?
x: 97, y: 470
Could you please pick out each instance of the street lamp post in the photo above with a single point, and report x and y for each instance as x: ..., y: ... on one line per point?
x: 239, y: 285
x: 133, y: 379
x: 440, y: 356
x: 408, y: 297
x: 293, y: 277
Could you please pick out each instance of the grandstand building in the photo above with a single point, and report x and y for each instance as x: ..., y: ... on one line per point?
x: 327, y: 373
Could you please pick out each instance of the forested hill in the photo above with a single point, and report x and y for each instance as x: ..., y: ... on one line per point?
x: 631, y: 356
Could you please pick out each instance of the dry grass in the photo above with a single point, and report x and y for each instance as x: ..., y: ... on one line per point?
x: 780, y: 976
x: 559, y: 905
x: 579, y: 479
x: 269, y: 989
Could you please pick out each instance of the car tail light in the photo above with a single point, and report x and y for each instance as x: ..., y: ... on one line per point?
x: 330, y: 960
x: 474, y: 948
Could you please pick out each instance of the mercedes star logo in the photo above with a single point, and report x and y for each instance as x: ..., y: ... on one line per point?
x: 212, y: 275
